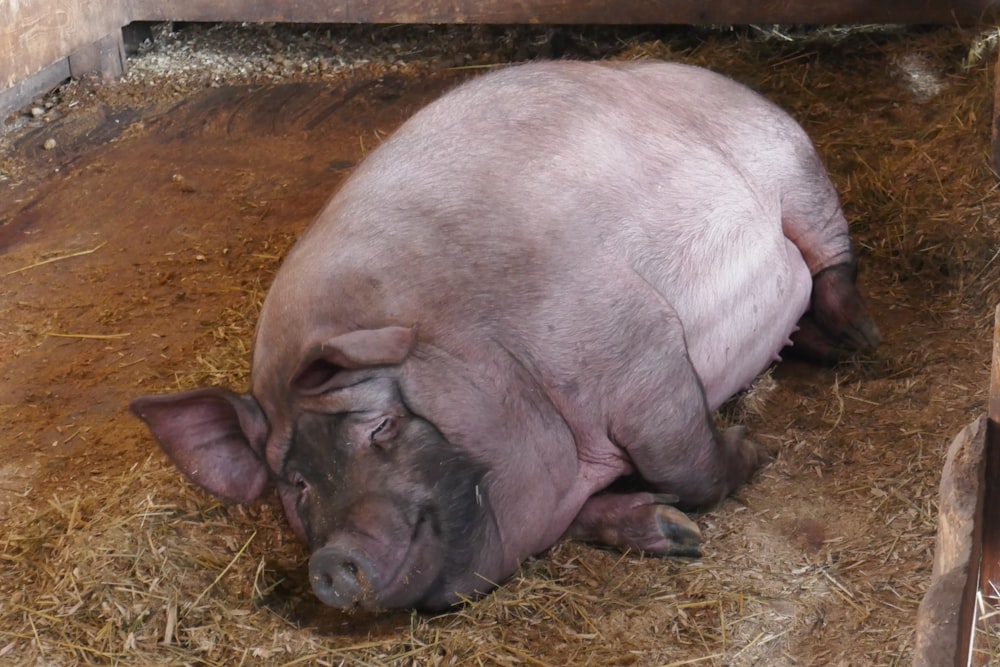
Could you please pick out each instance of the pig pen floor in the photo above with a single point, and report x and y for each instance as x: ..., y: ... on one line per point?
x: 135, y: 252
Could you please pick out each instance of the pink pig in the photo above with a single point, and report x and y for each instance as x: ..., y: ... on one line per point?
x: 545, y: 281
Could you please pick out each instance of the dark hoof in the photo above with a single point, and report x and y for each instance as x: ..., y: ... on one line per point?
x: 681, y: 535
x: 752, y: 451
x: 837, y: 325
x: 645, y: 522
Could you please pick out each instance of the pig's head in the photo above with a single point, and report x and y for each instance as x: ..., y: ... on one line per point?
x: 393, y: 513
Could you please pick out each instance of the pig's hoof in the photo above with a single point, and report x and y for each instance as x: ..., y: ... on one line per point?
x: 812, y: 342
x: 642, y: 521
x: 837, y: 325
x: 680, y: 535
x: 753, y: 453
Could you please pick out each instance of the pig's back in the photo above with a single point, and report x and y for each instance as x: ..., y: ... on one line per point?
x: 485, y: 210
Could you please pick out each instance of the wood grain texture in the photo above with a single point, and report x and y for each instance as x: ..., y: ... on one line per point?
x: 947, y: 610
x: 988, y: 516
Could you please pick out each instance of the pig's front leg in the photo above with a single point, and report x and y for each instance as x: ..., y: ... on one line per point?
x: 661, y: 419
x: 648, y: 521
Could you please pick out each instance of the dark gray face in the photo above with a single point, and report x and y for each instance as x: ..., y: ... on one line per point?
x: 394, y: 515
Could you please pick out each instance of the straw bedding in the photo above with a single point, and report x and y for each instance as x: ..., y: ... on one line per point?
x: 822, y: 560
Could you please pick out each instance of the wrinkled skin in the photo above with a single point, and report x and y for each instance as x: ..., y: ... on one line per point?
x: 544, y: 282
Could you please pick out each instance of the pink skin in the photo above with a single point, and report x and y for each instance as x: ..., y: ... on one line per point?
x: 557, y: 271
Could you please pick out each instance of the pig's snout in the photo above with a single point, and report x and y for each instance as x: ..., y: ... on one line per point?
x: 342, y: 576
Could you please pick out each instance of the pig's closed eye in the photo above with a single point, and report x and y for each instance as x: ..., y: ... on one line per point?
x: 383, y: 433
x: 382, y: 426
x: 316, y: 375
x: 301, y: 486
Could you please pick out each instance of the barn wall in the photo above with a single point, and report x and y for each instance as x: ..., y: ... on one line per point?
x: 570, y: 11
x: 44, y: 41
x: 35, y: 34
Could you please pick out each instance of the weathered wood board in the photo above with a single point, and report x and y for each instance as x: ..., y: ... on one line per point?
x: 966, y: 573
x: 945, y: 615
x: 38, y: 34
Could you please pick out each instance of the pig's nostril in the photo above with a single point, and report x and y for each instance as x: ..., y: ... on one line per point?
x: 328, y: 578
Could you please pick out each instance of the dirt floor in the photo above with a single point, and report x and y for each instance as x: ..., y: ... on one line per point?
x: 140, y: 224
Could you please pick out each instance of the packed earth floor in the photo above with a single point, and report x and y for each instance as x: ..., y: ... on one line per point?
x: 142, y: 221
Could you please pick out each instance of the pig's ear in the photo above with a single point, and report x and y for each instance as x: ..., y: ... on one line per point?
x: 216, y: 437
x: 369, y: 347
x: 354, y: 349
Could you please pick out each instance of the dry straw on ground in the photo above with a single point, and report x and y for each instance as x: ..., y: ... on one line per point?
x: 821, y: 561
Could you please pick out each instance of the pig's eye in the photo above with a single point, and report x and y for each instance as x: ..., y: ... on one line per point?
x: 299, y: 482
x: 382, y: 428
x: 303, y: 489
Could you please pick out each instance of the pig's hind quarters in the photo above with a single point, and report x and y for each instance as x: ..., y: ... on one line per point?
x: 837, y: 324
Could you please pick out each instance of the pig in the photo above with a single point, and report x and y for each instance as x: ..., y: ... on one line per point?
x: 543, y: 283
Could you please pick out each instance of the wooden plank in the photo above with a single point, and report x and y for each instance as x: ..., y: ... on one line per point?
x: 967, y: 549
x: 697, y: 12
x: 945, y: 617
x: 996, y: 135
x: 993, y: 408
x: 986, y: 553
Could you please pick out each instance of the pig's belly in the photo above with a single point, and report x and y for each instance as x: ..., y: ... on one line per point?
x: 734, y: 329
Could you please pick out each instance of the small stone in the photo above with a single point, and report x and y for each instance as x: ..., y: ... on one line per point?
x: 37, y: 112
x: 49, y: 144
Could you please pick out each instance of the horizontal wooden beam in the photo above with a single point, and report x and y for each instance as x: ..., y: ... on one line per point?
x: 696, y: 12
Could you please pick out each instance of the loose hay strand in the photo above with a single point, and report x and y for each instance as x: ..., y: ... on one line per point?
x: 88, y: 336
x: 60, y: 258
x: 223, y: 572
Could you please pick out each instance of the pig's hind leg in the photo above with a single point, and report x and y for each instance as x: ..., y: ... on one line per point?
x: 837, y: 324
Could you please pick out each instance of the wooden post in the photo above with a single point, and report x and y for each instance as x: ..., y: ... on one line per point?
x: 996, y: 132
x: 987, y: 582
x: 967, y: 549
